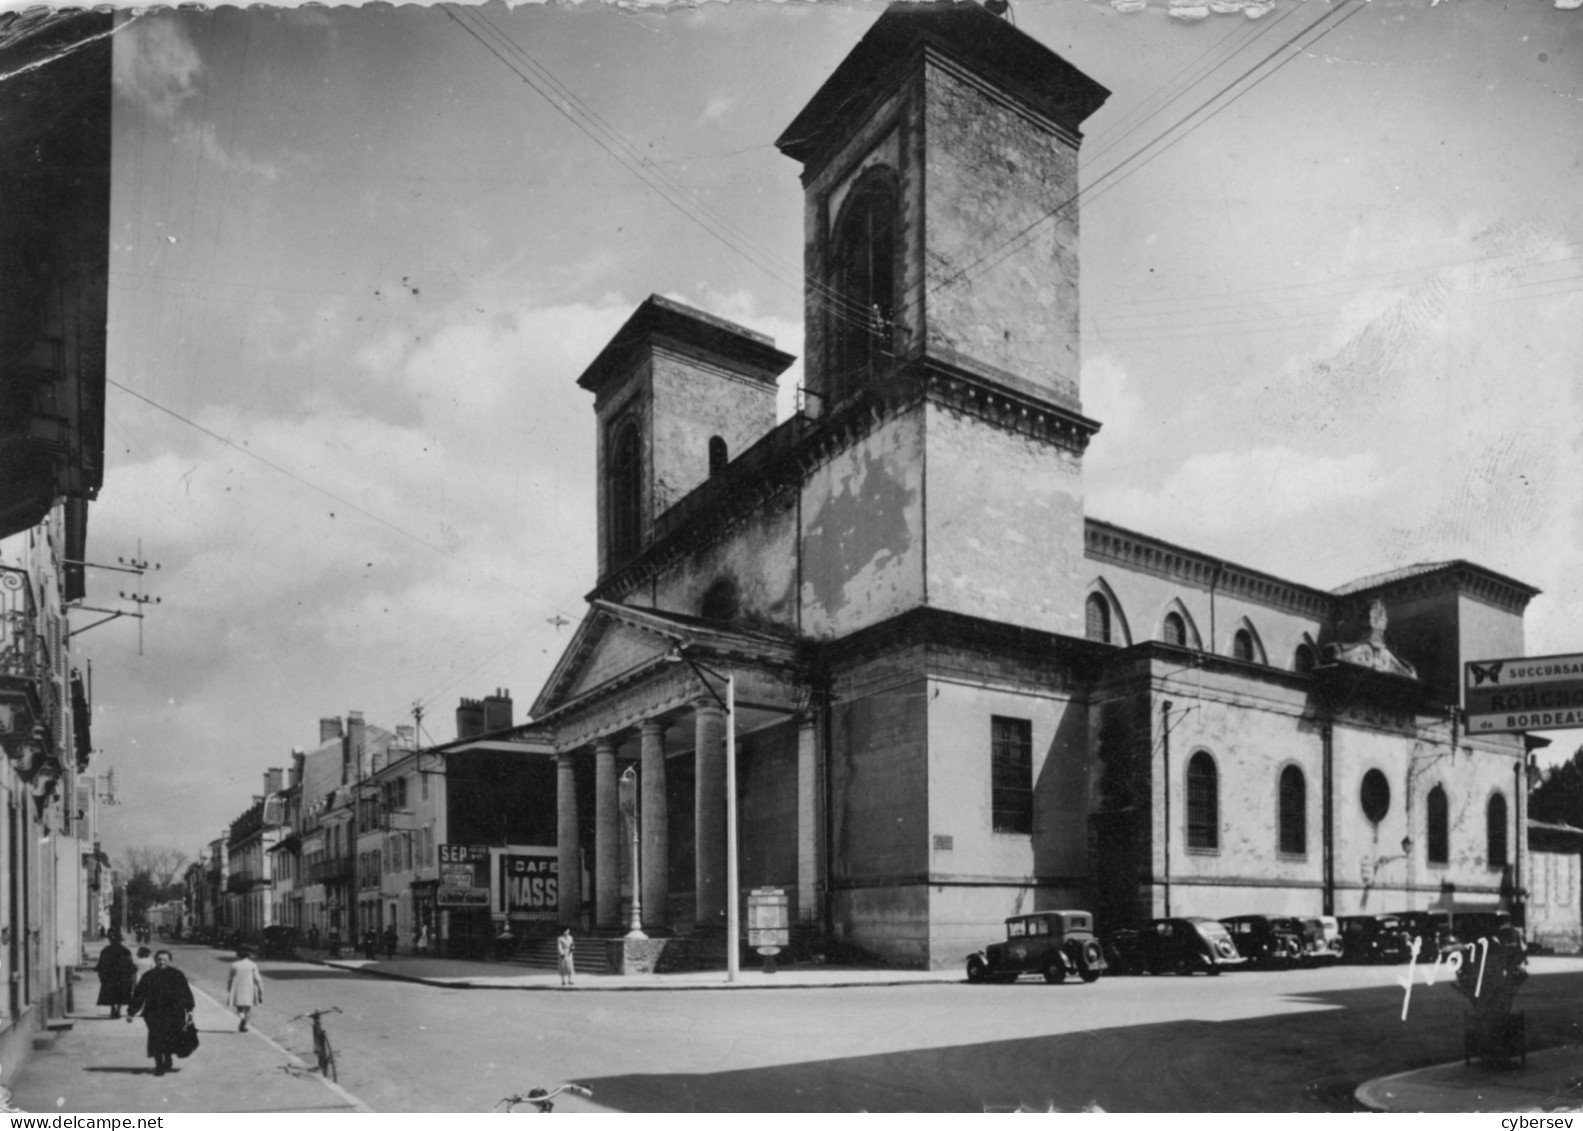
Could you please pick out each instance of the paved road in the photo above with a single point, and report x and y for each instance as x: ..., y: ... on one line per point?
x: 1292, y: 1041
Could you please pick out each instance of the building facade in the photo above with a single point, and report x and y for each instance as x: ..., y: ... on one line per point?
x: 54, y: 251
x: 935, y: 690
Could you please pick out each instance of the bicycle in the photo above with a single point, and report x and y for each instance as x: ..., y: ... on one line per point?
x: 541, y: 1099
x: 321, y: 1040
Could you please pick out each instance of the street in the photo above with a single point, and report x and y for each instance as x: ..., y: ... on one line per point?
x: 1297, y: 1040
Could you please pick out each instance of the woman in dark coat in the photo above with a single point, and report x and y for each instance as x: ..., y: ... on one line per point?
x: 116, y: 970
x: 163, y: 998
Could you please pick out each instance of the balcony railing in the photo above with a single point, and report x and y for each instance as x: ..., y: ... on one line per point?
x: 24, y: 659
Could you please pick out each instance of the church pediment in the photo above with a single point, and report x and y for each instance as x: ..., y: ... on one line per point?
x: 1371, y: 652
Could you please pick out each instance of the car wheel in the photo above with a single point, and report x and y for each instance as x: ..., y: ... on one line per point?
x: 1090, y: 974
x: 1214, y: 970
x: 1054, y: 970
x: 976, y: 971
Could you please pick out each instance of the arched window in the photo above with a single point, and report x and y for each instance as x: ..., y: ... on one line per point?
x: 1175, y: 630
x: 1375, y: 795
x: 1495, y: 832
x: 626, y: 490
x: 1303, y: 659
x: 1098, y: 618
x: 1203, y: 802
x: 863, y: 310
x: 717, y: 455
x: 1242, y: 646
x: 1294, y: 811
x: 1439, y: 830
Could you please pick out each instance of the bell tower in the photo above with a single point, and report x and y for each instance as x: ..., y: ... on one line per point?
x: 941, y: 262
x: 940, y: 223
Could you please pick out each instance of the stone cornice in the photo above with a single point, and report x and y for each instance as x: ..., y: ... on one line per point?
x: 1104, y: 541
x: 1459, y: 576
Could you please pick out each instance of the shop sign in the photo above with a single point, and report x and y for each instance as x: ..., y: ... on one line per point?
x: 530, y: 883
x: 1522, y: 694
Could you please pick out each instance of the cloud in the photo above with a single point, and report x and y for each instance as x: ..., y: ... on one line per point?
x: 156, y: 66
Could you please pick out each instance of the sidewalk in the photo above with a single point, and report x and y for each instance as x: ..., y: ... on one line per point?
x: 1552, y: 1080
x: 98, y: 1065
x: 461, y: 973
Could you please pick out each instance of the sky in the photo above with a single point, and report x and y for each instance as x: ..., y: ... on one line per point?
x: 1332, y: 316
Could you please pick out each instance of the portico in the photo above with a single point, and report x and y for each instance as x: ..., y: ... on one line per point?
x: 619, y: 700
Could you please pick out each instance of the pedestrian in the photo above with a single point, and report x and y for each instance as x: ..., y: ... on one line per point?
x: 142, y: 964
x: 313, y: 936
x: 335, y: 942
x: 245, y: 988
x: 566, y: 947
x: 164, y: 999
x: 391, y: 938
x: 116, y: 972
x: 371, y: 945
x: 423, y: 939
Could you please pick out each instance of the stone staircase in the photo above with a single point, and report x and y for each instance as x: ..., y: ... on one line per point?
x: 542, y: 954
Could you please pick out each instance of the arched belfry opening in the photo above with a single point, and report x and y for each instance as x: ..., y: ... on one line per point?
x: 860, y: 311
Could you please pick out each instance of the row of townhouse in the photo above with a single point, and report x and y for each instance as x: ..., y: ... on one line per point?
x: 55, y: 884
x: 369, y: 831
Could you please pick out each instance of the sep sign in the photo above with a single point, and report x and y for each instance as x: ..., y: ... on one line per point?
x: 1528, y: 693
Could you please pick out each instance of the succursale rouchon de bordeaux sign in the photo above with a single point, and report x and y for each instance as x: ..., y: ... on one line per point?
x: 1526, y: 693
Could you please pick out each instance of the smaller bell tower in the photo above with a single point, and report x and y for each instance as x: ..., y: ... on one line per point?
x: 677, y: 394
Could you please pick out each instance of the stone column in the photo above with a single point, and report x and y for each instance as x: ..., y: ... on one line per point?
x: 570, y: 881
x: 652, y: 820
x: 709, y: 813
x: 607, y: 837
x: 808, y: 821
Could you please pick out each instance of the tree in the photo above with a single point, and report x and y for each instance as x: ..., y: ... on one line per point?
x: 1559, y: 797
x: 151, y: 878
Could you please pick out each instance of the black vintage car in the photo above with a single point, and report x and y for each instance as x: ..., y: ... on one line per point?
x: 1374, y: 938
x: 1181, y: 946
x: 279, y: 942
x: 1433, y: 927
x: 1265, y: 940
x: 1051, y: 943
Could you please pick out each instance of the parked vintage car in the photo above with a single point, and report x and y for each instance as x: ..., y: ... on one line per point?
x: 1182, y: 946
x: 279, y: 942
x: 1374, y: 938
x: 1433, y: 927
x: 1473, y: 925
x: 1264, y: 940
x: 1321, y: 939
x: 1051, y: 943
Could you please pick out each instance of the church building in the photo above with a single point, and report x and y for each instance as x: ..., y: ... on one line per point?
x: 950, y: 694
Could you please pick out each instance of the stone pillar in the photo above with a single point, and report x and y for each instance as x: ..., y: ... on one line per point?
x: 607, y: 837
x: 570, y: 881
x: 709, y: 813
x: 653, y: 817
x: 808, y: 822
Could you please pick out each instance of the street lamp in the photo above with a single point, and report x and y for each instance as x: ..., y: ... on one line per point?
x: 629, y: 805
x: 676, y: 655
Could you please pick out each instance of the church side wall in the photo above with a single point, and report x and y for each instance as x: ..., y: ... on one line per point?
x: 759, y: 555
x: 1004, y: 306
x: 862, y: 522
x: 767, y: 807
x: 1554, y: 920
x: 1144, y: 599
x: 980, y: 876
x: 1004, y: 517
x: 879, y: 826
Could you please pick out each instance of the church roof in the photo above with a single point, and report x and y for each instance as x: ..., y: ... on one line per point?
x: 1425, y: 569
x: 964, y: 31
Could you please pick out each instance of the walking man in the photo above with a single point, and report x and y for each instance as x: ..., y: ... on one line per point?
x: 566, y: 946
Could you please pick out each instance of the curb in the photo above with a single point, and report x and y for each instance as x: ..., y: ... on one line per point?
x: 604, y: 987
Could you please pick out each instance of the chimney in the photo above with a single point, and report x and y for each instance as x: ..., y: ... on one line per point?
x: 299, y: 760
x: 497, y: 711
x: 274, y: 780
x: 469, y: 718
x: 377, y: 763
x: 354, y: 761
x: 406, y: 738
x: 329, y: 730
